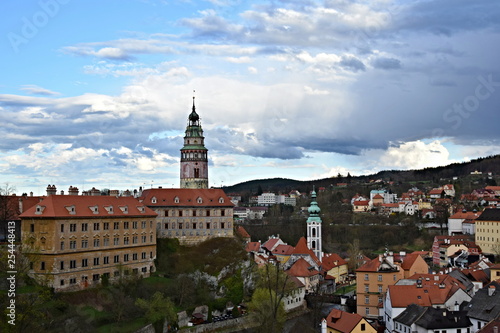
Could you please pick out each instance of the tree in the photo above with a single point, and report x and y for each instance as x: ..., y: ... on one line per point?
x: 354, y: 253
x: 273, y: 284
x: 157, y: 309
x: 9, y: 208
x: 271, y: 315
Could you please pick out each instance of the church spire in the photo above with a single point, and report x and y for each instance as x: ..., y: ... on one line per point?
x: 314, y: 238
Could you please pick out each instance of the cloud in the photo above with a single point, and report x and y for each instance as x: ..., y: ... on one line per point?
x: 33, y: 89
x: 386, y: 63
x: 352, y: 63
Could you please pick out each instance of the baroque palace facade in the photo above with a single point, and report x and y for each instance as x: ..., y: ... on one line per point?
x: 76, y: 241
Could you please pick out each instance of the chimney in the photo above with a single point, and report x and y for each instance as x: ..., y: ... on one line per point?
x: 95, y: 192
x: 495, y: 329
x: 114, y: 193
x: 491, y: 290
x: 51, y: 190
x: 31, y: 194
x: 62, y: 192
x: 73, y: 190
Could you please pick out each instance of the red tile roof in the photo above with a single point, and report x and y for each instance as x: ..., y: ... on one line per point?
x: 252, y: 247
x: 331, y: 260
x: 283, y: 249
x: 342, y: 321
x: 427, y: 295
x: 84, y: 206
x: 301, y: 268
x: 301, y: 248
x: 186, y: 197
x: 243, y: 233
x: 271, y: 243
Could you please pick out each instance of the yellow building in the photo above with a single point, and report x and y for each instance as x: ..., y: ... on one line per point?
x: 335, y: 266
x: 76, y: 241
x: 339, y: 321
x: 488, y: 231
x: 372, y: 281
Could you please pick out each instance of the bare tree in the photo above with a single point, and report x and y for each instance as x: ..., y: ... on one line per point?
x: 9, y: 208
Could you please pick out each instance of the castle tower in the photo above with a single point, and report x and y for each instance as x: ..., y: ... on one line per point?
x: 314, y: 227
x: 194, y: 155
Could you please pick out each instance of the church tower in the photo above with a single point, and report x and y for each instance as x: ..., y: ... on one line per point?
x: 194, y: 157
x: 314, y: 227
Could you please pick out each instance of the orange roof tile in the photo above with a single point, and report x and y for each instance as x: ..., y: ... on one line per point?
x: 301, y: 268
x: 331, y: 260
x: 58, y: 206
x: 186, y: 197
x: 243, y: 233
x: 283, y: 249
x: 342, y: 321
x: 302, y: 248
x: 252, y: 247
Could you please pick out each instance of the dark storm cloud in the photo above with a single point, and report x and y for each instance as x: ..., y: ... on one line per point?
x: 386, y: 63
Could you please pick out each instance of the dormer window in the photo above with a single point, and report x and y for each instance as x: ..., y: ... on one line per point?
x: 153, y: 200
x: 176, y: 200
x: 124, y: 209
x: 39, y: 209
x: 221, y: 200
x: 141, y: 209
x: 199, y: 200
x: 109, y: 209
x: 71, y: 209
x: 94, y: 209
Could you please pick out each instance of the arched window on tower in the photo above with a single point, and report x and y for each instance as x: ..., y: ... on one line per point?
x: 196, y: 172
x: 313, y: 231
x: 313, y: 245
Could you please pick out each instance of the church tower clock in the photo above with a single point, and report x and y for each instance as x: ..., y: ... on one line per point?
x: 194, y: 157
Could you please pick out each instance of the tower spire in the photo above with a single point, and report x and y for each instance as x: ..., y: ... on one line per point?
x: 314, y: 239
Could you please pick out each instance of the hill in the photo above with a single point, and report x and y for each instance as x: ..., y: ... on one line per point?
x: 485, y: 165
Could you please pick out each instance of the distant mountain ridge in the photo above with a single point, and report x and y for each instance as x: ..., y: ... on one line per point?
x: 283, y: 185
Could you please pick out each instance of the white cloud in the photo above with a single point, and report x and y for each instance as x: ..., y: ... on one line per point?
x: 33, y: 89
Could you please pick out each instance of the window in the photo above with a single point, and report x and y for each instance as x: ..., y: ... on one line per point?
x: 134, y: 240
x: 367, y: 299
x: 125, y: 225
x: 85, y: 262
x: 125, y: 240
x: 116, y: 273
x: 223, y: 224
x: 180, y: 225
x: 180, y: 213
x: 95, y: 277
x: 379, y: 288
x: 62, y: 265
x: 143, y: 224
x: 96, y: 242
x: 143, y: 238
x: 116, y: 241
x: 366, y: 277
x: 367, y: 311
x: 223, y: 212
x: 62, y: 245
x: 96, y: 226
x: 85, y: 227
x: 125, y: 257
x: 85, y: 243
x: 208, y: 225
x: 72, y: 264
x: 366, y: 288
x: 363, y: 327
x: 72, y: 244
x: 72, y: 227
x: 32, y: 227
x: 143, y: 255
x: 379, y: 278
x: 106, y: 242
x: 62, y: 282
x: 134, y: 225
x: 105, y: 226
x: 394, y: 277
x: 134, y: 256
x: 116, y: 259
x: 208, y: 212
x: 105, y: 260
x: 72, y: 281
x: 62, y: 230
x: 116, y: 225
x: 96, y: 261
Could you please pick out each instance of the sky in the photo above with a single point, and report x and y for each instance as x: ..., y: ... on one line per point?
x: 97, y: 93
